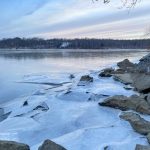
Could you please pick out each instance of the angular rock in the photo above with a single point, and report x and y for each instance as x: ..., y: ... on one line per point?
x: 141, y: 82
x: 107, y: 72
x: 125, y: 78
x: 50, y: 145
x: 86, y: 78
x: 126, y: 65
x: 124, y: 103
x: 142, y: 147
x: 138, y: 124
x: 10, y: 145
x: 25, y: 103
x: 144, y: 64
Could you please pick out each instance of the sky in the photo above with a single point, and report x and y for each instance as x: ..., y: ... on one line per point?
x: 73, y: 19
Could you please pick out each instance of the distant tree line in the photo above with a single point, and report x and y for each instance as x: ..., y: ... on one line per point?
x: 37, y: 43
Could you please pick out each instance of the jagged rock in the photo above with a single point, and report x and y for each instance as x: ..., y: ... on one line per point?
x: 86, y: 78
x: 134, y: 102
x: 138, y: 124
x: 125, y: 78
x: 10, y: 145
x: 107, y: 72
x: 144, y: 64
x: 25, y: 103
x: 142, y: 147
x: 126, y: 65
x: 50, y: 145
x: 141, y: 82
x: 43, y: 107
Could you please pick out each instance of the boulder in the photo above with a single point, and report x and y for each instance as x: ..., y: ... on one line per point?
x: 124, y: 103
x: 10, y: 145
x: 141, y: 82
x: 144, y: 64
x: 138, y: 124
x: 106, y: 72
x: 86, y: 78
x: 141, y: 147
x: 50, y: 145
x: 126, y: 65
x: 125, y: 78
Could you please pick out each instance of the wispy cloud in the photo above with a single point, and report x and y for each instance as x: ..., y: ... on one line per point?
x: 72, y: 19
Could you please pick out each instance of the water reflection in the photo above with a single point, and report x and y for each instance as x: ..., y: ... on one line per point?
x: 15, y: 64
x: 40, y: 54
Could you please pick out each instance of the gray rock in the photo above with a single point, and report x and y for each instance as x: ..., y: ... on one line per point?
x: 141, y: 147
x: 124, y: 103
x: 10, y: 145
x: 144, y: 64
x: 106, y: 72
x: 148, y: 137
x: 141, y: 82
x: 126, y: 65
x: 86, y: 78
x: 125, y: 78
x: 50, y: 145
x: 138, y: 124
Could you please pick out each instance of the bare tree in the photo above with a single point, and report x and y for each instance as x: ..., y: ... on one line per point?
x: 125, y: 3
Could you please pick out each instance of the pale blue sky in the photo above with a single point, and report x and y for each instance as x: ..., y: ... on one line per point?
x: 72, y: 19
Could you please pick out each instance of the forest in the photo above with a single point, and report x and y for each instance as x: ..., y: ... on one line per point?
x: 38, y: 43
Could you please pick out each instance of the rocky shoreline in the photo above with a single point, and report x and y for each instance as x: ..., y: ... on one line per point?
x: 138, y: 76
x: 134, y: 76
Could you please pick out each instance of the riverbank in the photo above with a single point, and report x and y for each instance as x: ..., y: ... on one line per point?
x: 69, y: 114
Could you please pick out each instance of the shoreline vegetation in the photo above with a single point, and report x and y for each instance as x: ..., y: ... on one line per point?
x: 135, y: 77
x: 37, y: 43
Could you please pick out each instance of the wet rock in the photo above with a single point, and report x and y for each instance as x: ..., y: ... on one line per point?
x: 138, y: 124
x: 124, y: 103
x: 126, y: 65
x: 43, y: 107
x: 86, y: 78
x: 25, y: 103
x: 50, y: 145
x: 107, y: 72
x: 9, y: 145
x: 142, y: 147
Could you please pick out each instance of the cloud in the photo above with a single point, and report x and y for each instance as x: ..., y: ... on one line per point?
x: 71, y: 18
